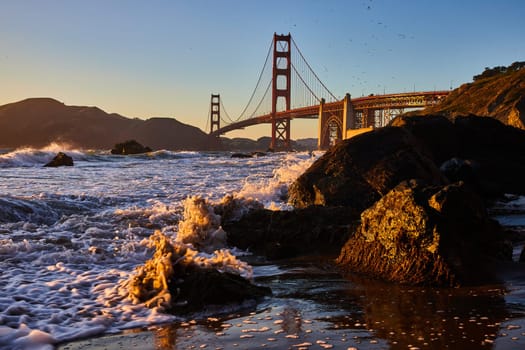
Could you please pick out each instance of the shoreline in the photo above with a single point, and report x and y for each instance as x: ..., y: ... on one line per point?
x: 370, y: 314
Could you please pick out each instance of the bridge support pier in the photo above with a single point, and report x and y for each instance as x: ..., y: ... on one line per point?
x: 333, y: 125
x: 281, y: 81
x: 321, y: 142
x: 348, y: 115
x: 215, y: 113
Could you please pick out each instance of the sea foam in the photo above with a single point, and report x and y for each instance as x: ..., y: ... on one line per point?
x: 31, y: 157
x: 272, y: 191
x: 75, y: 236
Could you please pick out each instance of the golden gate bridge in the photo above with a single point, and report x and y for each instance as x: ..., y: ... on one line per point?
x: 289, y: 89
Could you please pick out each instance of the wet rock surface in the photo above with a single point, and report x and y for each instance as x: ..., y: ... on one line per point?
x: 421, y: 186
x: 491, y: 152
x: 178, y: 282
x: 195, y: 270
x: 61, y: 159
x: 426, y: 235
x: 358, y: 171
x: 129, y: 147
x: 284, y: 234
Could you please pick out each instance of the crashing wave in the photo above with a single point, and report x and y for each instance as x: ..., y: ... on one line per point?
x: 30, y: 157
x: 273, y: 191
x: 201, y: 226
x: 195, y: 268
x: 179, y: 278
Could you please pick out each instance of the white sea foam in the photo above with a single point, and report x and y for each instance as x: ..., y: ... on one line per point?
x: 31, y: 157
x: 201, y: 227
x: 74, y: 236
x: 158, y: 213
x: 272, y: 190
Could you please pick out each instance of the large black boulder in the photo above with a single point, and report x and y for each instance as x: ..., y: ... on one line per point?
x: 316, y: 230
x: 492, y: 150
x: 129, y: 147
x: 358, y: 171
x: 426, y: 235
x: 61, y: 159
x: 498, y: 151
x: 434, y: 133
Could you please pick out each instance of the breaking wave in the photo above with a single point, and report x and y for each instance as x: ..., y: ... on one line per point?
x: 32, y: 157
x: 70, y: 241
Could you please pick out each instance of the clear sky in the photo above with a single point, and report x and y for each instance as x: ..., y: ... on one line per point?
x: 154, y: 58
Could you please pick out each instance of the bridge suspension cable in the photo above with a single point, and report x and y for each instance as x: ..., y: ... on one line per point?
x: 243, y: 114
x: 306, y: 87
x: 264, y: 101
x: 311, y: 82
x: 223, y: 109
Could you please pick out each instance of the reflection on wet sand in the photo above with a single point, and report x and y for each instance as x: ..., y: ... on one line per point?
x: 462, y: 318
x: 313, y: 308
x: 331, y: 312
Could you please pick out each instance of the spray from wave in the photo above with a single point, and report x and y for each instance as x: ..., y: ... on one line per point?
x: 197, y: 254
x: 77, y: 241
x: 31, y: 157
x: 272, y: 192
x: 200, y: 246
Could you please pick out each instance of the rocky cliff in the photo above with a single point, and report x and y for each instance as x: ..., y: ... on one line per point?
x: 498, y: 92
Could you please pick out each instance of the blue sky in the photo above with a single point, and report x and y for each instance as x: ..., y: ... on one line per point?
x: 163, y: 58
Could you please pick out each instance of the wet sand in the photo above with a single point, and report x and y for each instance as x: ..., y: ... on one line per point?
x: 260, y: 331
x: 314, y: 308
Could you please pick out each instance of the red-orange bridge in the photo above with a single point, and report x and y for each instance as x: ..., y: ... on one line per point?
x: 295, y: 81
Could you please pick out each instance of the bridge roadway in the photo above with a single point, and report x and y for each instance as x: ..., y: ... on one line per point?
x: 372, y: 102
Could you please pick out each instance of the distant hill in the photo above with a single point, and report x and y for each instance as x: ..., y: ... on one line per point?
x: 498, y: 92
x: 38, y: 122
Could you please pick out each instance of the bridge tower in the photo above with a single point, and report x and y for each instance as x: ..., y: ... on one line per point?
x: 215, y: 114
x: 281, y: 82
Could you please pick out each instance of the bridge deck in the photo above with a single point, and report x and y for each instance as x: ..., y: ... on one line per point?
x: 375, y: 102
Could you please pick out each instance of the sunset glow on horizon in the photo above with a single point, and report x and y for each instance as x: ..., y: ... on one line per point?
x: 164, y: 58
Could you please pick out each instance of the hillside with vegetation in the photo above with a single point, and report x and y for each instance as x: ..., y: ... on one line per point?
x: 498, y: 92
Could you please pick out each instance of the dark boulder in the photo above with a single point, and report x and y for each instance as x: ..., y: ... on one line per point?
x: 497, y: 150
x: 426, y: 235
x: 457, y: 169
x: 178, y: 282
x: 199, y: 288
x: 284, y: 234
x: 434, y: 133
x: 129, y: 147
x: 61, y: 159
x: 241, y: 155
x: 358, y: 171
x: 492, y: 152
x: 248, y: 155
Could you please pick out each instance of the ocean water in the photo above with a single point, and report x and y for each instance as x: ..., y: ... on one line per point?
x: 71, y: 237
